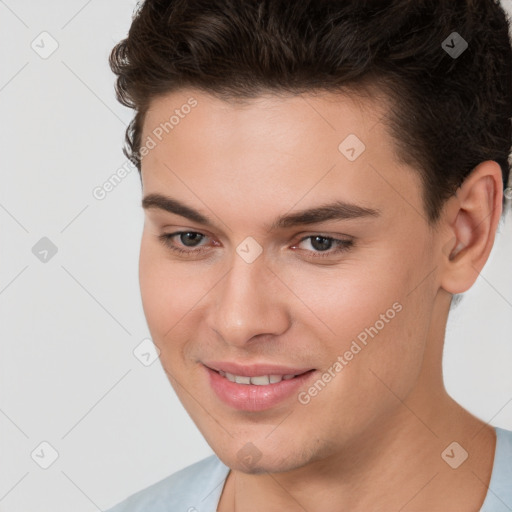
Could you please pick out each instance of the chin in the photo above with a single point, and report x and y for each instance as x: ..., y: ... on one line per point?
x: 251, y: 461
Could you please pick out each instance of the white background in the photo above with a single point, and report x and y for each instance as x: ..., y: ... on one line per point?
x: 69, y: 326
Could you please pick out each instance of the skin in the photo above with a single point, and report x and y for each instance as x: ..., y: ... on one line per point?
x: 372, y: 438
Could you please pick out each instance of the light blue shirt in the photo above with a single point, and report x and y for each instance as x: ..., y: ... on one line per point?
x: 197, y: 488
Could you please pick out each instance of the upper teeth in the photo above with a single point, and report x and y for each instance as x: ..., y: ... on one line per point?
x: 260, y: 380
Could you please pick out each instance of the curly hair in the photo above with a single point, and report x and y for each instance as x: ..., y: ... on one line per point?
x: 447, y: 112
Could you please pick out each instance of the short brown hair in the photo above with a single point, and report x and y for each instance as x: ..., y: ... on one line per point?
x: 448, y: 113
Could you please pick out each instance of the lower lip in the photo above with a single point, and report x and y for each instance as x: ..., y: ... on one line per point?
x: 249, y: 397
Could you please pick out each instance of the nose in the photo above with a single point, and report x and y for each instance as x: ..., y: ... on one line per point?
x: 249, y: 302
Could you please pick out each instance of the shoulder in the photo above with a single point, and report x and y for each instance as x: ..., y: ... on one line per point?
x: 196, y: 488
x: 499, y: 496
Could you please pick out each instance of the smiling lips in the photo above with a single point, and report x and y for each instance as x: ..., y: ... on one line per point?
x: 256, y: 374
x: 260, y: 380
x: 255, y: 387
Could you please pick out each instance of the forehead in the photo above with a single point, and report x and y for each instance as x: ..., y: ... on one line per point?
x: 277, y: 121
x: 275, y: 151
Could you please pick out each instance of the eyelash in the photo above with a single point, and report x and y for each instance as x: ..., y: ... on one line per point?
x: 343, y: 245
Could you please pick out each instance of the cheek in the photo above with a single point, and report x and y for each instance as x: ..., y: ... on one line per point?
x: 154, y: 289
x: 369, y: 319
x: 165, y: 297
x: 173, y: 295
x: 339, y: 303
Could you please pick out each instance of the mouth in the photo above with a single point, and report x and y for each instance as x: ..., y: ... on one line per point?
x: 259, y: 380
x: 258, y: 387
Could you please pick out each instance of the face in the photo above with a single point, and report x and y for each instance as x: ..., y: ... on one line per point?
x: 283, y: 238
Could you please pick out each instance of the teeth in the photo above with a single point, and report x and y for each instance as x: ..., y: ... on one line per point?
x: 260, y: 380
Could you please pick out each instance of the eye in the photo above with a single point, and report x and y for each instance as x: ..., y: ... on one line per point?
x: 322, y: 245
x: 189, y: 239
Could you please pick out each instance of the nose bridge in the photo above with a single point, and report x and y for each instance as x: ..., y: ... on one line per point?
x: 246, y: 305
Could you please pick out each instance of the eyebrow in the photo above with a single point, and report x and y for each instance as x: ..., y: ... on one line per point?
x: 338, y: 210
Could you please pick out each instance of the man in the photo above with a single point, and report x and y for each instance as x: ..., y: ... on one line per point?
x: 319, y: 180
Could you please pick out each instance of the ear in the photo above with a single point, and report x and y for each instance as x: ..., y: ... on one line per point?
x: 471, y: 218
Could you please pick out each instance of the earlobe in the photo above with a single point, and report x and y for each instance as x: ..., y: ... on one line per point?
x: 471, y: 217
